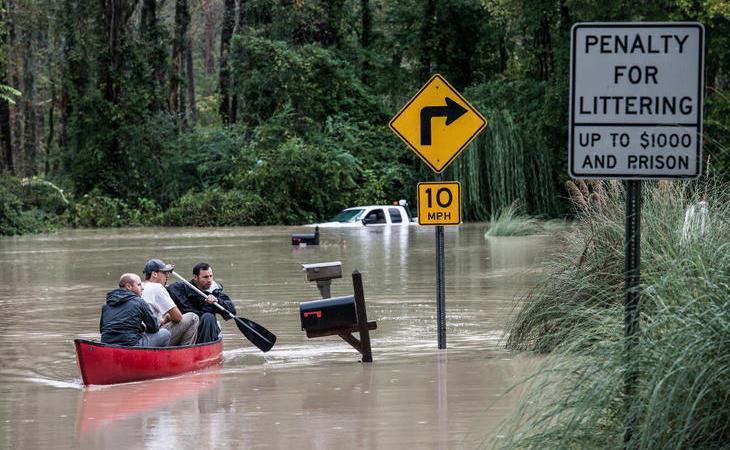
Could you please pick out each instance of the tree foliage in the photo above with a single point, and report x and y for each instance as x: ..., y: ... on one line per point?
x: 123, y: 100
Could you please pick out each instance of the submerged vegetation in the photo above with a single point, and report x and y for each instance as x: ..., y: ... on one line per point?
x: 509, y: 223
x: 576, y: 314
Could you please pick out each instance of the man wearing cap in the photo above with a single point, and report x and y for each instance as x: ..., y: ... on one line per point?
x: 127, y: 320
x: 190, y: 301
x: 183, y: 328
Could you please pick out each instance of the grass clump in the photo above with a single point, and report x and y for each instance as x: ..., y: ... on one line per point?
x: 509, y: 223
x: 682, y: 398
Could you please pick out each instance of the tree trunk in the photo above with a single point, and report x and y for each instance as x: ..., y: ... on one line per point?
x: 148, y: 17
x: 182, y: 87
x: 176, y: 104
x: 330, y: 35
x: 240, y: 28
x: 191, y: 82
x: 64, y: 105
x: 30, y: 136
x: 6, y: 142
x: 427, y: 41
x: 113, y: 23
x: 544, y: 49
x: 242, y: 21
x: 503, y: 55
x: 16, y: 113
x: 147, y: 31
x: 7, y: 145
x: 565, y: 20
x: 150, y: 32
x: 51, y: 130
x: 47, y: 63
x: 209, y: 50
x: 111, y: 64
x: 365, y: 37
x: 224, y: 76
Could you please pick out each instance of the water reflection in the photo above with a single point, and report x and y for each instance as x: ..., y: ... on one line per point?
x: 511, y: 252
x: 103, y: 407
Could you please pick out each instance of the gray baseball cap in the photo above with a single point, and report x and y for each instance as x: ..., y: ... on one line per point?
x: 157, y: 265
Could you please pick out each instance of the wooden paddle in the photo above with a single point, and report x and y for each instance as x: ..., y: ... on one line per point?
x: 258, y: 335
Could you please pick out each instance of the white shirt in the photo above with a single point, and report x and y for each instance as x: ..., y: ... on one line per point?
x: 157, y: 298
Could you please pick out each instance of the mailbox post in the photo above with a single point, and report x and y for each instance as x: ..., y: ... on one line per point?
x: 340, y: 316
x: 323, y: 274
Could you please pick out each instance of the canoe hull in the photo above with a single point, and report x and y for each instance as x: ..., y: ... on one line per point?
x: 109, y: 364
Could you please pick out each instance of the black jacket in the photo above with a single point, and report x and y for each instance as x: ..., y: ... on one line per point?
x: 187, y: 300
x: 122, y: 317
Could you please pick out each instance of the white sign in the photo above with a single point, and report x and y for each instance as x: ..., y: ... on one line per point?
x: 636, y: 100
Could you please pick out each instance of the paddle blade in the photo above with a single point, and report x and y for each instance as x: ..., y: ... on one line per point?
x: 258, y: 335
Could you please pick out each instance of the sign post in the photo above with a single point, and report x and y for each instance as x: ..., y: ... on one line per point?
x: 635, y: 114
x: 438, y: 124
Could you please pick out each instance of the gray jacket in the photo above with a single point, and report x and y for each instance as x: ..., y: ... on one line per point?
x: 122, y: 317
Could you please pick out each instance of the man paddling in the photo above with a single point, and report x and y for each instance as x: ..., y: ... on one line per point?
x: 183, y: 328
x: 190, y: 301
x: 127, y: 320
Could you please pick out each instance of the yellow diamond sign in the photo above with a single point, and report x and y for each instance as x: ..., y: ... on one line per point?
x: 438, y: 123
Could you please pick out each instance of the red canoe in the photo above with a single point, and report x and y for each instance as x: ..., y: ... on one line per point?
x: 108, y: 364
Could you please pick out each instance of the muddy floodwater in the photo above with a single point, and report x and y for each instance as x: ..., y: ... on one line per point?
x: 304, y: 393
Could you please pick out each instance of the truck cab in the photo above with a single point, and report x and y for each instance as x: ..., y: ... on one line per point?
x: 371, y: 215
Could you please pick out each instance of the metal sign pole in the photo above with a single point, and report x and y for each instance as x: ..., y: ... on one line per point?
x: 632, y: 261
x: 440, y: 285
x: 610, y: 138
x: 419, y: 125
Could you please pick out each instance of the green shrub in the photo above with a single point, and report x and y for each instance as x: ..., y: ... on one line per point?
x: 39, y: 193
x: 203, y: 158
x: 371, y: 191
x: 98, y: 210
x: 215, y: 207
x: 508, y: 223
x: 10, y: 213
x: 28, y: 206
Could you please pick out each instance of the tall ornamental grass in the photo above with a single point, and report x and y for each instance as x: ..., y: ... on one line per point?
x: 508, y: 222
x: 682, y: 398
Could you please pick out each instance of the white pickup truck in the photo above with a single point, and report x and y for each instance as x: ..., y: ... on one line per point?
x: 371, y: 215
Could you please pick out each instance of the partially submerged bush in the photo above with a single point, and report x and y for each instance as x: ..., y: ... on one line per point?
x: 98, y: 210
x: 29, y: 206
x: 509, y: 223
x: 215, y: 207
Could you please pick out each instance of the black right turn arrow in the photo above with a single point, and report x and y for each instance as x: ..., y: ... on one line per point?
x: 451, y: 111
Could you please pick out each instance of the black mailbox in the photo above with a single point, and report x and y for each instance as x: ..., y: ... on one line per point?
x: 306, y: 238
x: 328, y: 313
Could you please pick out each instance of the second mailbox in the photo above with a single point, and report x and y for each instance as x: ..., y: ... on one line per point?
x: 328, y: 313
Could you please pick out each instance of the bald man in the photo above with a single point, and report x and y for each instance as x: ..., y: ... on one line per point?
x: 127, y: 320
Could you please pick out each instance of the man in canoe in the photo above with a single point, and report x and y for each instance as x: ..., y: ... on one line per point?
x: 127, y: 320
x: 183, y: 328
x: 188, y: 300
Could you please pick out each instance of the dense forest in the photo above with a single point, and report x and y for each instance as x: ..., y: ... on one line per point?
x: 242, y: 112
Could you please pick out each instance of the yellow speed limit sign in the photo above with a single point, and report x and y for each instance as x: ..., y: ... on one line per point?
x: 439, y: 203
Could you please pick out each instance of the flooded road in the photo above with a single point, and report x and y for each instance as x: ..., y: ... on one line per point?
x: 304, y: 393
